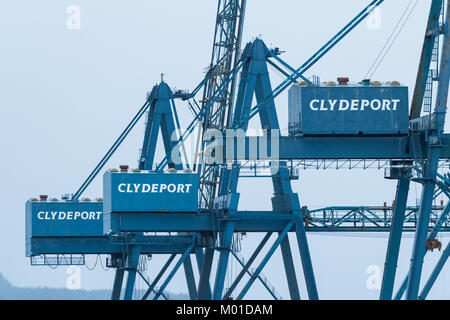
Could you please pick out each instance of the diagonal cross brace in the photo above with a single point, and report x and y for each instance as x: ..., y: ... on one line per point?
x: 265, y: 260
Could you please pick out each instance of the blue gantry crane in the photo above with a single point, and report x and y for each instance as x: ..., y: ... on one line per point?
x: 184, y: 208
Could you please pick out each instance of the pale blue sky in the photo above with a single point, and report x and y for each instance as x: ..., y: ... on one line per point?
x: 65, y: 95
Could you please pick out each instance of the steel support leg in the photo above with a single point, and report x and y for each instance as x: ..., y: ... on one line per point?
x: 437, y: 269
x: 204, y: 292
x: 306, y: 260
x: 190, y: 280
x: 395, y: 236
x: 265, y: 260
x: 423, y: 222
x: 225, y: 248
x: 118, y: 281
x: 132, y: 264
x: 289, y: 269
x: 200, y: 257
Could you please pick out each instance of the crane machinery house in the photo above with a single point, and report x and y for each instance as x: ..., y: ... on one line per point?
x: 150, y: 192
x: 361, y: 109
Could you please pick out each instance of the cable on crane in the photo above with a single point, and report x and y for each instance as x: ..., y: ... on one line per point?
x: 95, y: 264
x: 377, y: 62
x: 105, y: 268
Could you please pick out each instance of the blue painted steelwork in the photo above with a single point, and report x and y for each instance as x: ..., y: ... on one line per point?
x: 113, y: 148
x: 117, y: 285
x: 430, y: 168
x: 174, y: 270
x: 227, y: 237
x: 266, y: 258
x: 152, y: 286
x: 149, y: 192
x: 218, y: 94
x: 360, y: 150
x: 63, y: 218
x: 439, y: 226
x: 431, y: 34
x: 155, y: 290
x: 218, y: 216
x: 312, y: 60
x: 190, y: 279
x: 435, y: 273
x: 160, y: 115
x: 245, y: 269
x: 395, y: 235
x: 348, y: 110
x: 204, y: 290
x: 374, y: 218
x: 131, y: 267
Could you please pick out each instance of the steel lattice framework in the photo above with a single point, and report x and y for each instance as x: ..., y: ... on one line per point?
x: 415, y: 157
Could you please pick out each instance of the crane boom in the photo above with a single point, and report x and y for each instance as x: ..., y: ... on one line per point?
x: 225, y: 56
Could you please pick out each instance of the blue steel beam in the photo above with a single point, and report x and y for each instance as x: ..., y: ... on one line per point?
x: 264, y: 281
x: 306, y: 260
x: 425, y: 59
x: 255, y: 82
x: 434, y: 275
x: 286, y: 65
x: 265, y: 260
x: 225, y: 247
x: 113, y: 148
x: 104, y: 245
x: 199, y: 257
x: 432, y: 235
x: 289, y: 269
x: 268, y: 221
x: 160, y: 116
x: 147, y: 281
x: 245, y: 268
x: 133, y: 254
x: 158, y: 277
x: 325, y: 148
x: 172, y: 273
x: 204, y: 290
x: 430, y: 168
x: 117, y: 285
x: 190, y: 279
x: 203, y: 113
x: 395, y: 236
